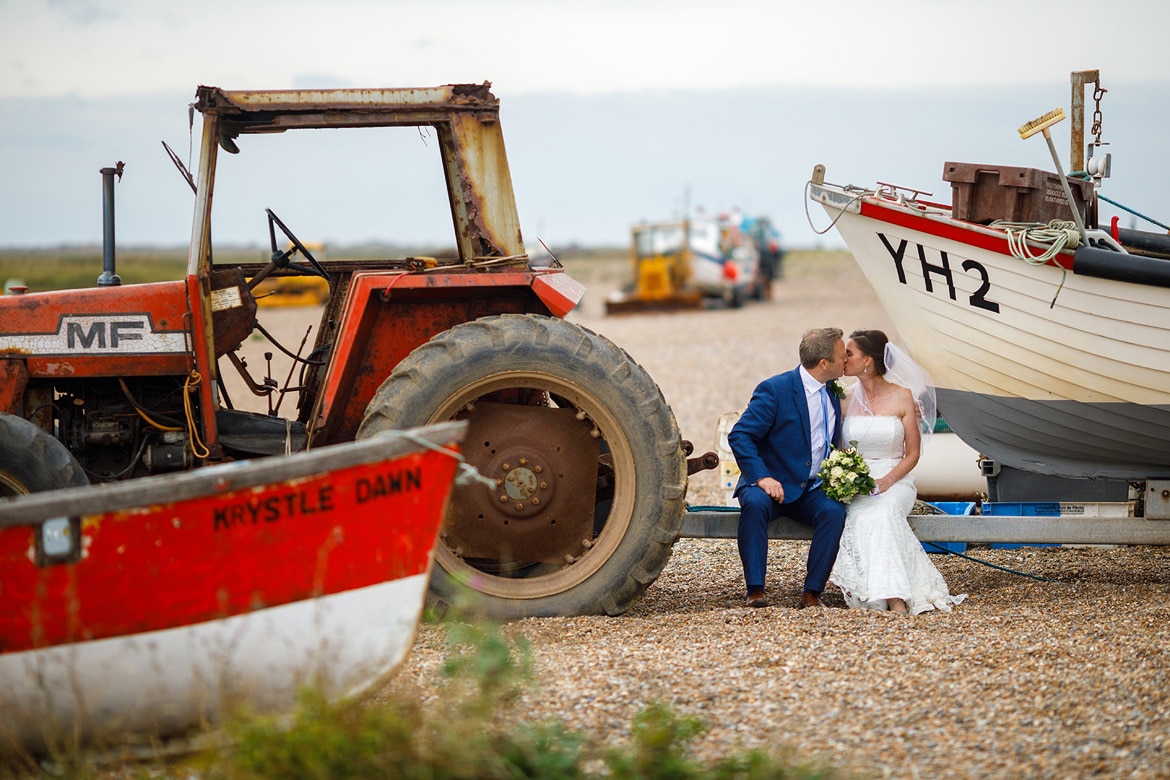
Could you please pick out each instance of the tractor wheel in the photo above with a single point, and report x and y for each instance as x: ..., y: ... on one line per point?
x: 590, y: 476
x: 32, y: 461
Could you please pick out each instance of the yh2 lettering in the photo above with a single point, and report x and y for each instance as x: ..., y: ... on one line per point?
x: 940, y: 272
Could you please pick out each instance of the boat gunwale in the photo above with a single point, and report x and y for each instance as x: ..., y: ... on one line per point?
x: 239, y: 475
x: 935, y: 219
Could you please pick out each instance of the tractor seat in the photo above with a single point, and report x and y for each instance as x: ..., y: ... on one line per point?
x: 251, y: 433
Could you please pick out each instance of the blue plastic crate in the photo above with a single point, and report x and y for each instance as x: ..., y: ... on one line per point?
x: 950, y: 508
x: 1021, y: 509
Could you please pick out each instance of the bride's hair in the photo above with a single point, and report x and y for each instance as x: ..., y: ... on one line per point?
x: 872, y: 343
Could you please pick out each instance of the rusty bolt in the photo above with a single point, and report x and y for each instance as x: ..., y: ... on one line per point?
x: 503, y: 499
x: 570, y: 559
x: 538, y: 469
x: 586, y: 543
x: 507, y: 466
x: 535, y: 501
x: 524, y: 461
x: 544, y: 486
x: 519, y: 506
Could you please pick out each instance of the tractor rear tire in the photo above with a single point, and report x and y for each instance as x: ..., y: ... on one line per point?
x: 577, y: 369
x: 32, y: 461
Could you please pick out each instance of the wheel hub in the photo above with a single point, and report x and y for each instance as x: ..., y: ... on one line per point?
x: 523, y: 484
x: 544, y: 464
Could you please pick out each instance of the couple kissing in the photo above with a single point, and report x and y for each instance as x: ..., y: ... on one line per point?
x: 863, y: 544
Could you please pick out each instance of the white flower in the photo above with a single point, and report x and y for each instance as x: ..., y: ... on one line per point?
x: 844, y: 474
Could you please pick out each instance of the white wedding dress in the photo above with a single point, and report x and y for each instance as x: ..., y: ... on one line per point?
x: 880, y: 557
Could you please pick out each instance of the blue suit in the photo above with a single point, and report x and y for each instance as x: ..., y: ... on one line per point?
x: 772, y: 439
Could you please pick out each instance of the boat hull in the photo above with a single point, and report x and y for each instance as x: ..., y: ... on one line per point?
x: 157, y: 684
x: 254, y: 581
x: 1063, y: 438
x: 1036, y: 367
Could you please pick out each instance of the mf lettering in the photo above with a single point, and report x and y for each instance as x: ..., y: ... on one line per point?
x: 120, y: 330
x: 941, y: 271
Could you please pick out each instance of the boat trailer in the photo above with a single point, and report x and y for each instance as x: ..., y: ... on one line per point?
x: 1089, y: 526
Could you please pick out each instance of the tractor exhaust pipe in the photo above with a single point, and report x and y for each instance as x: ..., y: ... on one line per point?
x: 109, y: 278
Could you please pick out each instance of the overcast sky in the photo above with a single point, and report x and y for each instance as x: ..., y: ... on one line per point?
x: 118, y: 47
x: 68, y: 67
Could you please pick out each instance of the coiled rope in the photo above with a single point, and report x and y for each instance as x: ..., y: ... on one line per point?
x: 1057, y: 234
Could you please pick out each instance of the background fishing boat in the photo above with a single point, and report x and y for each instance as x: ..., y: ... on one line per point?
x: 149, y: 608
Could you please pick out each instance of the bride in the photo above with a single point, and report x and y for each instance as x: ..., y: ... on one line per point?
x: 888, y: 414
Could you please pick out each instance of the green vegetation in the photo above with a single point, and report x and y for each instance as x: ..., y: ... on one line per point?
x: 59, y: 269
x: 68, y: 268
x: 72, y: 268
x: 472, y: 729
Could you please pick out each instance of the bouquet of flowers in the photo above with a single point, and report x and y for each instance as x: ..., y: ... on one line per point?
x: 844, y: 474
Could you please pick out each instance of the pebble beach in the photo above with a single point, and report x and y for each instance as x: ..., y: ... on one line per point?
x: 1056, y: 666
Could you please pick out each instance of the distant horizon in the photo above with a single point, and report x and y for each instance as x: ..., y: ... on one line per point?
x: 97, y: 247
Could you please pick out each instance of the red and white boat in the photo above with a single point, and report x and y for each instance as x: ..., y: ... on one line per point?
x: 1047, y: 359
x: 154, y: 607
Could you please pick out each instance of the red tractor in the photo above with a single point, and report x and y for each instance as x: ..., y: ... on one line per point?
x: 123, y: 381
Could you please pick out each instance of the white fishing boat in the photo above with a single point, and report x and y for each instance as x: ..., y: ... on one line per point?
x: 150, y: 610
x: 1049, y: 344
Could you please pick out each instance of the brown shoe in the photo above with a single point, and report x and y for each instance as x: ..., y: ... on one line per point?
x: 810, y: 599
x: 756, y: 598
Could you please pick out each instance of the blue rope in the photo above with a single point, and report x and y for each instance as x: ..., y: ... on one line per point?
x: 1138, y: 214
x: 995, y: 566
x: 1131, y: 211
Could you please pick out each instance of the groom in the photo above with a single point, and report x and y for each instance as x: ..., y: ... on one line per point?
x: 779, y: 442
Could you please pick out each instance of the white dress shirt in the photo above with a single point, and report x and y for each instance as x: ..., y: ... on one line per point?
x: 816, y: 422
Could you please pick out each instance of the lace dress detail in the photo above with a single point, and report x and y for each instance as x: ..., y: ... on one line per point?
x: 880, y: 557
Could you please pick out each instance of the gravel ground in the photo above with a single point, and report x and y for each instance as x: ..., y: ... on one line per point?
x: 1025, y: 679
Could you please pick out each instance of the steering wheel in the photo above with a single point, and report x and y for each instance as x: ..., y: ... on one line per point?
x: 282, y: 258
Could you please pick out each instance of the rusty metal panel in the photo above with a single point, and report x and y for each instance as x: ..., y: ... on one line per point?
x: 478, y: 177
x: 1076, y: 154
x: 233, y: 309
x: 387, y: 315
x: 375, y: 336
x: 13, y: 381
x: 267, y: 110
